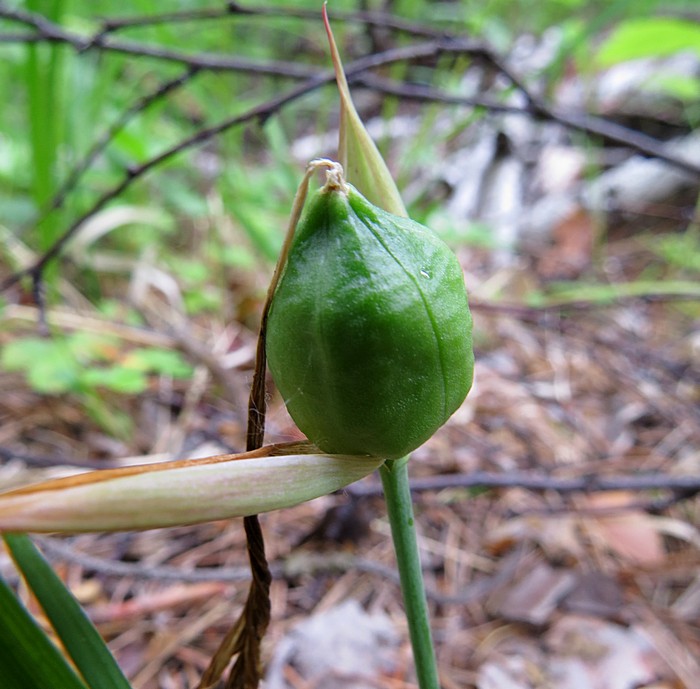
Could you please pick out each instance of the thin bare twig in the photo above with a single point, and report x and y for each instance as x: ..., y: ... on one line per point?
x: 583, y: 122
x: 59, y: 549
x: 63, y: 549
x: 441, y: 43
x: 141, y: 105
x: 686, y: 485
x: 50, y: 32
x: 593, y: 483
x: 258, y: 113
x: 355, y: 73
x: 8, y: 455
x: 21, y: 37
x: 539, y: 313
x: 54, y: 33
x: 234, y: 10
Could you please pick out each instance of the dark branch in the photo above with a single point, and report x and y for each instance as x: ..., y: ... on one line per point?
x: 686, y: 485
x: 589, y: 124
x: 355, y: 72
x: 50, y: 32
x: 49, y: 461
x: 23, y: 37
x: 141, y: 105
x: 63, y: 550
x: 259, y: 112
x: 234, y: 9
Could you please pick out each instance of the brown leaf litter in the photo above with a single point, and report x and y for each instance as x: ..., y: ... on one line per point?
x: 528, y: 589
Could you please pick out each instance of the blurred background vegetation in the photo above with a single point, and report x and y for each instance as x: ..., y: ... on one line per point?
x: 203, y: 228
x: 154, y: 136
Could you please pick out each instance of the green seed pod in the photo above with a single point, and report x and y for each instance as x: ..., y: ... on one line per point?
x: 369, y: 331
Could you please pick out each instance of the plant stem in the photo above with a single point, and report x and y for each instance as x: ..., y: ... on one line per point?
x: 397, y: 492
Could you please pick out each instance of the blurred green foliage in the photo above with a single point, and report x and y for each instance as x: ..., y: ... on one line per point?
x: 90, y: 366
x: 222, y: 207
x: 650, y: 37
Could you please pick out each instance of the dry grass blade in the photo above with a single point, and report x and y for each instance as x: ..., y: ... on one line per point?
x: 227, y: 649
x: 247, y: 670
x: 245, y: 636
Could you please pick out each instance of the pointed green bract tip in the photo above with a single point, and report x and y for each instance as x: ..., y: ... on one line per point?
x: 357, y: 153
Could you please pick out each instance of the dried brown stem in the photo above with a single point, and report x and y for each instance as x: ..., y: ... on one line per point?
x: 245, y: 637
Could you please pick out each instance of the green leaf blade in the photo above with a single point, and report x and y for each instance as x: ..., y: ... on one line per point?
x: 77, y: 634
x: 27, y: 658
x: 649, y: 37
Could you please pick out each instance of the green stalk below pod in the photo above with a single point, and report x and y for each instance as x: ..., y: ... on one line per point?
x: 397, y: 492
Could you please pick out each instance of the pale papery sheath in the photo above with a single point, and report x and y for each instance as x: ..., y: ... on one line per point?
x: 181, y: 492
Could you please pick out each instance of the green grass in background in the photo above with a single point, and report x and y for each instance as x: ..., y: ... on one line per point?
x: 222, y: 207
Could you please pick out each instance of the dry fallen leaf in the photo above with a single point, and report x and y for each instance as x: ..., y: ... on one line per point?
x: 632, y: 535
x: 593, y: 654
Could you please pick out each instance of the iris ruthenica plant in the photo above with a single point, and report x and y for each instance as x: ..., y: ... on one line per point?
x: 368, y: 336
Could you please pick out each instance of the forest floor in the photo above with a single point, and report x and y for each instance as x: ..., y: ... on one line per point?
x: 558, y: 510
x: 546, y: 580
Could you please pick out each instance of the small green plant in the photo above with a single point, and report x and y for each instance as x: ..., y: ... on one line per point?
x: 80, y: 362
x: 649, y: 37
x: 27, y: 657
x: 86, y: 365
x: 682, y: 251
x: 395, y: 361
